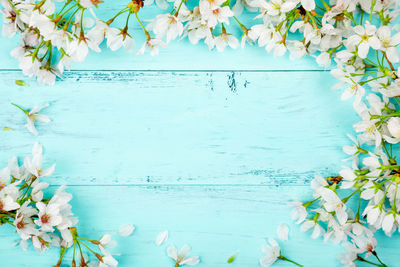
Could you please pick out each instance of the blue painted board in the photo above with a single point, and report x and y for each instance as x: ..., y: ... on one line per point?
x: 209, y: 146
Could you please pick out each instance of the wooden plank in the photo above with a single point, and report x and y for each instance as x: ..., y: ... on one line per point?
x: 179, y: 55
x: 127, y: 127
x: 216, y: 221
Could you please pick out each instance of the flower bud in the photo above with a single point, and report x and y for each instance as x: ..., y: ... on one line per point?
x: 135, y: 5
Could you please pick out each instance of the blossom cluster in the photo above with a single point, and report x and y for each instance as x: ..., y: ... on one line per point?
x: 45, y: 221
x: 53, y: 36
x: 358, y: 39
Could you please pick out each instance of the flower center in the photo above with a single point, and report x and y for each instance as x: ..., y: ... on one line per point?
x: 364, y: 37
x: 20, y: 225
x: 385, y: 43
x: 371, y: 129
x: 216, y: 11
x: 45, y: 218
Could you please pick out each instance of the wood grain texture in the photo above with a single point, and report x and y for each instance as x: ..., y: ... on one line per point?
x: 236, y: 219
x: 211, y: 152
x: 183, y: 127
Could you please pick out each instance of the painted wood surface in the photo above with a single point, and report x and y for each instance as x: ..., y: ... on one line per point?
x: 209, y: 146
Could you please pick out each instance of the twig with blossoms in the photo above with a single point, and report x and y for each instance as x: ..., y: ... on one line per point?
x: 45, y: 221
x: 33, y: 116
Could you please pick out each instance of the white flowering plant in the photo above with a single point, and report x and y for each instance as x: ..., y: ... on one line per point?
x: 43, y: 221
x: 358, y: 39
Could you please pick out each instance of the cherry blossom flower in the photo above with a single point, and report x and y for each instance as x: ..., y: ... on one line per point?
x: 299, y: 212
x: 389, y: 42
x: 117, y: 38
x: 49, y: 216
x: 182, y: 257
x: 225, y: 39
x: 166, y: 25
x: 33, y: 164
x: 334, y: 204
x: 364, y: 38
x: 151, y: 44
x: 272, y: 251
x: 33, y: 116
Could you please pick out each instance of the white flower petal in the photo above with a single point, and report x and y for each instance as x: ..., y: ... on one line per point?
x: 283, y: 232
x: 162, y: 237
x: 126, y: 230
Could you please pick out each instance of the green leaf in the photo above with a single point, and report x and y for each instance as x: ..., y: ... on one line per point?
x: 232, y: 258
x: 21, y: 83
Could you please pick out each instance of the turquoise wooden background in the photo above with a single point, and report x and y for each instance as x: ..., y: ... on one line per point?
x: 207, y: 145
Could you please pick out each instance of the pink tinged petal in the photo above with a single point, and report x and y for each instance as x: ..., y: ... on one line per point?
x: 191, y: 261
x: 37, y: 109
x: 329, y: 196
x: 283, y: 232
x: 367, y: 194
x: 280, y: 50
x: 350, y: 150
x: 387, y: 224
x: 342, y: 215
x: 233, y: 42
x: 373, y: 215
x: 370, y: 29
x: 37, y: 149
x: 48, y: 172
x: 393, y: 54
x: 67, y: 236
x: 141, y: 50
x: 395, y: 39
x: 384, y: 32
x: 238, y: 8
x: 359, y: 30
x: 363, y: 49
x: 31, y: 126
x: 42, y: 118
x: 126, y: 230
x: 162, y: 237
x: 266, y: 261
x: 354, y: 40
x: 184, y: 252
x: 129, y: 44
x: 163, y: 4
x: 317, y: 231
x: 172, y: 252
x: 374, y: 42
x: 307, y: 225
x: 105, y: 239
x: 273, y: 242
x: 347, y: 93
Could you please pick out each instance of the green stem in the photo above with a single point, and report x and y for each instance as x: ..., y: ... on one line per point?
x: 69, y: 9
x: 127, y: 20
x: 179, y: 8
x: 376, y: 256
x: 288, y: 260
x: 389, y: 167
x: 369, y: 262
x: 91, y: 250
x: 144, y: 29
x: 119, y: 13
x: 24, y: 110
